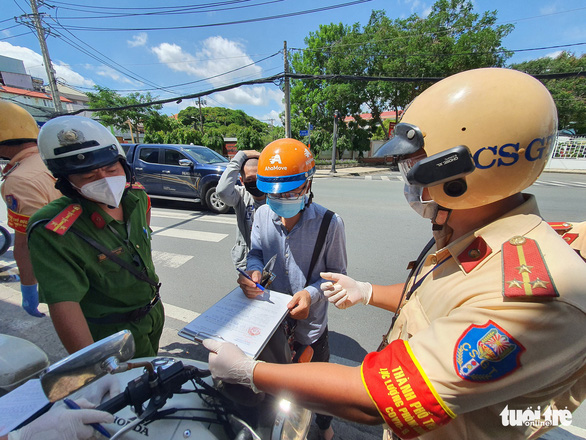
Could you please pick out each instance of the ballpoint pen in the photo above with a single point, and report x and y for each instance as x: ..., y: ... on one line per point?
x: 248, y: 276
x: 72, y: 405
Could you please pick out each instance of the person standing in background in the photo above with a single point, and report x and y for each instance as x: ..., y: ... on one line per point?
x: 27, y: 186
x: 244, y: 199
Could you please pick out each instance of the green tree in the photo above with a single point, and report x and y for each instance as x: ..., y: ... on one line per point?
x: 162, y: 129
x: 450, y: 39
x: 249, y: 139
x: 569, y: 94
x: 213, y: 139
x: 274, y: 133
x: 120, y: 118
x: 228, y: 121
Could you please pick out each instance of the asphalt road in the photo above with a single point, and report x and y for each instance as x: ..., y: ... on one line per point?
x: 191, y: 248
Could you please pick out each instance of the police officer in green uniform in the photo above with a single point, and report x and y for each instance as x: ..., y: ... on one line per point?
x: 91, y: 250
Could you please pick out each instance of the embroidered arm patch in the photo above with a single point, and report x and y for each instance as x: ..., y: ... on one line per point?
x: 486, y: 353
x: 402, y: 393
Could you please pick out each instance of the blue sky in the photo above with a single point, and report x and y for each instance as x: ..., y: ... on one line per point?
x: 163, y: 61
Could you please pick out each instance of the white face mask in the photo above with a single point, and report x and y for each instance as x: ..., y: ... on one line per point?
x: 426, y: 209
x: 108, y: 190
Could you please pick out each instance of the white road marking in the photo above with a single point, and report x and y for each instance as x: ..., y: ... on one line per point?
x: 194, y: 217
x: 8, y: 268
x: 179, y: 313
x: 367, y: 177
x: 14, y: 297
x: 385, y: 178
x: 187, y: 234
x: 168, y: 259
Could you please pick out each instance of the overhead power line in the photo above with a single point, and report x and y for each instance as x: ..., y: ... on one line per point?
x: 226, y: 23
x: 279, y: 77
x: 185, y: 10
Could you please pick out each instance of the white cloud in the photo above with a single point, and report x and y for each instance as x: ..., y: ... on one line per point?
x: 553, y: 55
x: 215, y: 57
x: 271, y: 117
x: 138, y: 40
x: 250, y: 95
x: 108, y: 72
x: 34, y: 65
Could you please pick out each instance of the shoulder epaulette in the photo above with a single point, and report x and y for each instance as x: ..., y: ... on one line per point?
x: 525, y: 273
x: 65, y: 219
x: 560, y: 227
x: 135, y: 185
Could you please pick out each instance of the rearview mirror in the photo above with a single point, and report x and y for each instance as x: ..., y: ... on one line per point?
x: 86, y: 365
x: 185, y: 163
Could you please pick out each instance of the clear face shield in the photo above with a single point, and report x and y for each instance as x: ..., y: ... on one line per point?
x: 414, y: 193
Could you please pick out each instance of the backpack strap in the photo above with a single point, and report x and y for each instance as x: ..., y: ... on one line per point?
x: 319, y: 243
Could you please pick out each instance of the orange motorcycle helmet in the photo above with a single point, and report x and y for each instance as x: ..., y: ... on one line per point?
x: 283, y: 165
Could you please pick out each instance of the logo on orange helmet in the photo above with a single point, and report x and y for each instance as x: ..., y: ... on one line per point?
x: 284, y: 165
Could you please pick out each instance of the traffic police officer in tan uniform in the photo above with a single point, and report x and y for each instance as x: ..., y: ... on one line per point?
x: 574, y: 234
x: 91, y: 250
x: 487, y: 337
x: 27, y: 186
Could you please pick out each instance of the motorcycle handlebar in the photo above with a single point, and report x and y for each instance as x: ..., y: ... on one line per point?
x: 115, y: 404
x: 162, y: 384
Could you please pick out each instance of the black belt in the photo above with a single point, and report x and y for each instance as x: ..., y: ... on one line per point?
x: 132, y: 316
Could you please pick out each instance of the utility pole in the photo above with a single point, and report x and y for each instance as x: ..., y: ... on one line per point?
x: 287, y: 93
x: 200, y: 115
x: 47, y: 59
x: 335, y: 144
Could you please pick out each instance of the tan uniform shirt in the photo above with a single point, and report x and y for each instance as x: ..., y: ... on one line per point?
x: 28, y: 185
x: 574, y: 234
x: 484, y: 354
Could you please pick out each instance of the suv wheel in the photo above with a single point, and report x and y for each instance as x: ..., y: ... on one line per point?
x: 214, y: 203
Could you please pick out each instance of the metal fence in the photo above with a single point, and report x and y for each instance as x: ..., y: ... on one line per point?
x: 570, y: 148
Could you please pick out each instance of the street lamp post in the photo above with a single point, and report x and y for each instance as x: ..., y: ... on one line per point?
x: 336, y: 117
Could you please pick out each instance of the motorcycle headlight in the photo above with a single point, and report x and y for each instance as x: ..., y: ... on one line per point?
x: 292, y: 422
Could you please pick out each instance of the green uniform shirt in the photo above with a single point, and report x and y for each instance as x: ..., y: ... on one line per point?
x: 69, y: 269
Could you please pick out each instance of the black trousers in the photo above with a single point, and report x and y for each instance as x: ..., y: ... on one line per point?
x: 321, y: 353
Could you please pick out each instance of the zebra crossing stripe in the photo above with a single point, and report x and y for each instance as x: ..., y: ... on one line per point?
x: 194, y: 217
x: 168, y: 259
x: 179, y: 313
x: 187, y: 234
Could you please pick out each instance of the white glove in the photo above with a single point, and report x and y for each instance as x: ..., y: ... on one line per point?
x: 345, y: 292
x: 102, y: 389
x: 229, y: 364
x: 61, y: 423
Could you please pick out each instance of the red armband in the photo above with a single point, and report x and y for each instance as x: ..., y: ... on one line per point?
x: 17, y: 221
x: 402, y: 393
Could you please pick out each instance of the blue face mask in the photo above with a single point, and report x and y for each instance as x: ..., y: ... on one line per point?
x: 287, y: 208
